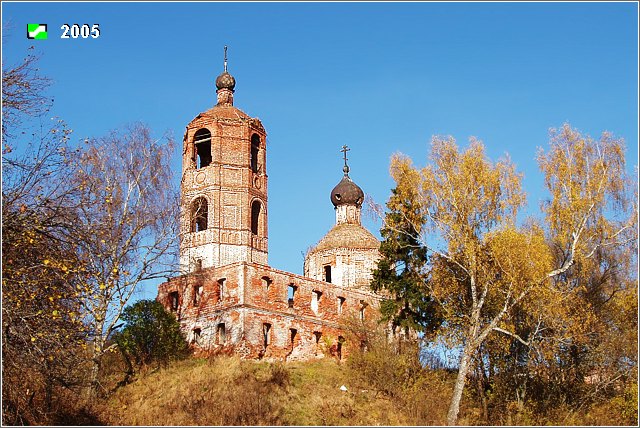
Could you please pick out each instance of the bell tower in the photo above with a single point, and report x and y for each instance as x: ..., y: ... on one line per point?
x: 223, y: 214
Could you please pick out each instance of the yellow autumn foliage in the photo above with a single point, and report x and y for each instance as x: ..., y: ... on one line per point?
x: 547, y: 286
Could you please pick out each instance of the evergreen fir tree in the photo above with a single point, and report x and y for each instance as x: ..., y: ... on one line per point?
x: 402, y: 272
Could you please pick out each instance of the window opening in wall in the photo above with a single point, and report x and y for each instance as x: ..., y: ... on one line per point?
x: 341, y: 301
x: 255, y: 146
x: 221, y: 288
x: 202, y: 143
x: 255, y: 216
x: 340, y: 343
x: 197, y: 294
x: 266, y: 282
x: 327, y: 273
x: 315, y: 300
x: 198, y: 264
x: 195, y: 338
x: 199, y: 215
x: 266, y: 334
x: 291, y: 293
x: 221, y: 334
x: 173, y: 300
x: 317, y: 335
x: 362, y: 309
x: 293, y: 332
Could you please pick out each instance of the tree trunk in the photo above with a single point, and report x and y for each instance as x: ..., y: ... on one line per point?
x: 454, y: 407
x: 96, y: 356
x: 480, y: 388
x: 92, y: 388
x: 129, y: 373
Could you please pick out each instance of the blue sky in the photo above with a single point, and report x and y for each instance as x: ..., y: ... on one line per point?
x: 379, y: 77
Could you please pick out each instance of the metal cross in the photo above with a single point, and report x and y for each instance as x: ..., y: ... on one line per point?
x: 225, y: 58
x: 345, y: 168
x: 344, y: 150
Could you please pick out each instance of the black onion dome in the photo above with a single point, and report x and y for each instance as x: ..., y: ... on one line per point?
x: 225, y: 81
x: 347, y: 193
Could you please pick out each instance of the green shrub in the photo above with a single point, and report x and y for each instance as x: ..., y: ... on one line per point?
x: 150, y: 335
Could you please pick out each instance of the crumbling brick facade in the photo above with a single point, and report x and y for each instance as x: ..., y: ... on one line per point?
x: 347, y: 254
x: 248, y: 309
x: 227, y: 298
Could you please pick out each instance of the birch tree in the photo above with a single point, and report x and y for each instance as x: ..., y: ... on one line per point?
x: 484, y: 268
x: 125, y: 226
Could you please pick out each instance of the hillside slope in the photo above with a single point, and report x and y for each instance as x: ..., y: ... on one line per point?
x: 227, y: 391
x: 381, y: 389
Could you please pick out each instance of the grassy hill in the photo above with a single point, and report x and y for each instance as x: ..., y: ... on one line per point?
x: 228, y: 391
x: 381, y: 389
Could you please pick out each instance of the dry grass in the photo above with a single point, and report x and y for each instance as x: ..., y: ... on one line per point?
x: 316, y: 398
x: 222, y: 391
x: 228, y: 391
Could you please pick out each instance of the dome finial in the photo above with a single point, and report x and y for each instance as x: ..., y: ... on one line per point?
x: 344, y: 150
x: 346, y: 192
x: 225, y: 84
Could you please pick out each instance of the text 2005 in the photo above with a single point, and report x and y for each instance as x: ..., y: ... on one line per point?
x: 75, y: 30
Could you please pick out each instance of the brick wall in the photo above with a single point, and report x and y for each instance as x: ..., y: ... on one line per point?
x: 255, y: 296
x: 230, y: 186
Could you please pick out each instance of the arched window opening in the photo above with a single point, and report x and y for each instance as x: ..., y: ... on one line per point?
x: 174, y: 300
x: 197, y: 333
x: 341, y: 341
x: 197, y: 295
x: 327, y: 273
x: 221, y: 336
x: 255, y: 216
x: 221, y: 288
x: 202, y: 142
x: 315, y: 300
x: 317, y: 335
x: 266, y: 282
x: 199, y: 214
x: 291, y: 294
x: 255, y: 146
x: 363, y: 309
x: 266, y: 334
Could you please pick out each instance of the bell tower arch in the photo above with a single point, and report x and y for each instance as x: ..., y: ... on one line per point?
x: 223, y: 216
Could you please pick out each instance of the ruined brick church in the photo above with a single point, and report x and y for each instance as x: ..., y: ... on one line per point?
x: 227, y: 298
